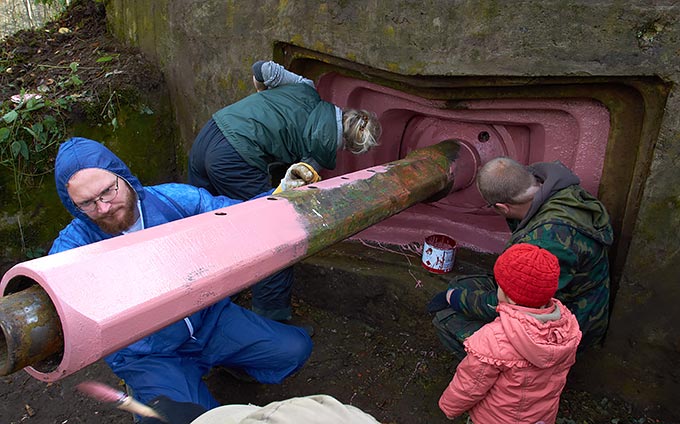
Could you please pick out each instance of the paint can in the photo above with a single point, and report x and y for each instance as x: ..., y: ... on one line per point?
x: 439, y: 252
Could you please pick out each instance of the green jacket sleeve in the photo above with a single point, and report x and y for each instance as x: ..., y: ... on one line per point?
x: 475, y: 296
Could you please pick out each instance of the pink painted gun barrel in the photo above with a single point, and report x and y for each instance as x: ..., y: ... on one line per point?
x: 101, y: 297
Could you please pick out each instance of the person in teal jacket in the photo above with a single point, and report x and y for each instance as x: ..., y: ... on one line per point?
x: 544, y: 205
x: 107, y: 201
x: 284, y: 123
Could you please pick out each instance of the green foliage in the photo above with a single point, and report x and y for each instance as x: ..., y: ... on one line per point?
x: 60, y: 3
x: 107, y: 58
x: 32, y: 126
x: 73, y: 78
x: 110, y: 110
x: 30, y: 131
x: 29, y: 134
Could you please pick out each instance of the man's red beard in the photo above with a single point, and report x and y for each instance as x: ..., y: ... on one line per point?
x: 122, y: 224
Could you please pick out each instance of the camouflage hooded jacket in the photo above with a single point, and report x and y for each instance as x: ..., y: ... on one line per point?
x: 573, y: 225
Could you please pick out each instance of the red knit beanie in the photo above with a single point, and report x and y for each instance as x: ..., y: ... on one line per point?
x: 527, y: 274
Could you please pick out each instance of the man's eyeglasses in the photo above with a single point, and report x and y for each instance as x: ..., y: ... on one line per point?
x: 105, y: 196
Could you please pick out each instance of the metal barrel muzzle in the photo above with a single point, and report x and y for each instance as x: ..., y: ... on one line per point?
x: 31, y: 330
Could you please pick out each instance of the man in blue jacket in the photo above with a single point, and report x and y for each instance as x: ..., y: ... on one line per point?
x: 106, y: 200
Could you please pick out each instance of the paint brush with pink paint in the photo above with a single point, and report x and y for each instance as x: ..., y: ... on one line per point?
x: 104, y: 393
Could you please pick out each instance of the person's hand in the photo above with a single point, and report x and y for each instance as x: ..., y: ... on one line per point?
x: 258, y: 79
x: 173, y: 412
x: 259, y: 85
x: 297, y: 175
x: 440, y: 301
x: 300, y: 174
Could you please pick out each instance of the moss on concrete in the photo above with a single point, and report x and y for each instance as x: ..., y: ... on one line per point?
x: 144, y: 139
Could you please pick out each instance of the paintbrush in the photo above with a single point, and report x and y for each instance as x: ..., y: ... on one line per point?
x: 104, y: 393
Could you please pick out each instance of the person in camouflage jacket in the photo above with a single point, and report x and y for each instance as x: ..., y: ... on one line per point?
x: 543, y: 205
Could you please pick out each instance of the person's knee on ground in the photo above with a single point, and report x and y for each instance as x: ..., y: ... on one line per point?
x: 453, y: 328
x: 293, y: 352
x: 447, y: 337
x: 267, y: 350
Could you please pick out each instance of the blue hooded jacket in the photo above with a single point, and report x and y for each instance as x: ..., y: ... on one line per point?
x: 160, y: 204
x: 171, y: 361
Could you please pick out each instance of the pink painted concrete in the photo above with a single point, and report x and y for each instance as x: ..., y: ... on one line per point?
x: 573, y: 131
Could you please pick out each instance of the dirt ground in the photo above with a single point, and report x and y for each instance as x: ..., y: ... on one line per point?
x: 40, y: 60
x: 375, y: 347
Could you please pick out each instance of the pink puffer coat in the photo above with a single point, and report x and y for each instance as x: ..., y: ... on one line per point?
x: 516, y: 367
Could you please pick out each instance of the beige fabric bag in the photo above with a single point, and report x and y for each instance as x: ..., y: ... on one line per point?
x: 315, y: 409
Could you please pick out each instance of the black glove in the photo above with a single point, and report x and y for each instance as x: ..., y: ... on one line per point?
x: 438, y: 303
x: 174, y: 412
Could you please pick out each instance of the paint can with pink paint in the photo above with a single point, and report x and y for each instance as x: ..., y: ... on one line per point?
x: 439, y: 251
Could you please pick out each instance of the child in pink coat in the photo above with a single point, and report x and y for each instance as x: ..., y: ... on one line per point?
x: 517, y: 365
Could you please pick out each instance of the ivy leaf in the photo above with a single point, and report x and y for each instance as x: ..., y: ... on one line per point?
x: 74, y: 66
x: 10, y: 116
x: 24, y: 150
x: 34, y: 105
x: 64, y: 102
x: 37, y: 131
x: 104, y: 59
x: 19, y: 147
x: 4, y: 133
x: 49, y: 122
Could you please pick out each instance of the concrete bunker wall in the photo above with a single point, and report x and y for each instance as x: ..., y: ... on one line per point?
x: 458, y: 57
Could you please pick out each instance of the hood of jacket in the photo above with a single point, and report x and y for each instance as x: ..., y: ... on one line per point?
x: 561, y: 200
x: 79, y: 153
x: 543, y: 337
x: 554, y: 176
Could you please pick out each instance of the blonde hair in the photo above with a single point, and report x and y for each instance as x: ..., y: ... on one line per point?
x: 503, y: 180
x: 360, y: 130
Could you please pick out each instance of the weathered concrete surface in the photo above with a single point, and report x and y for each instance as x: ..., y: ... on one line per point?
x: 206, y: 47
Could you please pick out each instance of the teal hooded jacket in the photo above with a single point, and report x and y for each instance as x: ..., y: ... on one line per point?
x: 283, y: 124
